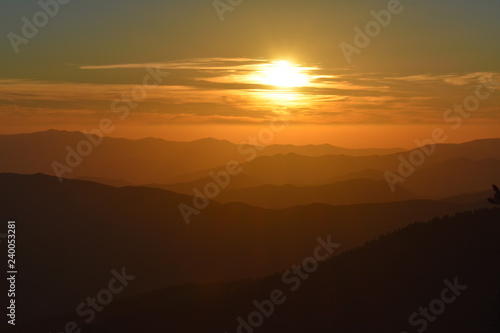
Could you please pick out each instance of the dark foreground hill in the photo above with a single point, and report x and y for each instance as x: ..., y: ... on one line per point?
x: 72, y: 234
x: 437, y: 277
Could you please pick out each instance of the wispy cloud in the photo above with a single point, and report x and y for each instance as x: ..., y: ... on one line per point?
x: 452, y: 79
x: 233, y: 90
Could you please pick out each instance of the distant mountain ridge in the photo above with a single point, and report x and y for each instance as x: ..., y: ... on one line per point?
x: 349, y: 192
x: 294, y: 169
x: 451, y: 170
x: 141, y: 161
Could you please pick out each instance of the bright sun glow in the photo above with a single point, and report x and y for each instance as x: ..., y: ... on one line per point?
x: 283, y: 74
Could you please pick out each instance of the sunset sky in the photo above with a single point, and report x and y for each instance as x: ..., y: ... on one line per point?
x: 266, y: 59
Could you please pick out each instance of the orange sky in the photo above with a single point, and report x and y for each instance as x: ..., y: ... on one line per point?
x: 178, y: 72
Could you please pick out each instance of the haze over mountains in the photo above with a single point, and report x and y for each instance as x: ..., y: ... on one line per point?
x: 267, y: 219
x: 139, y: 161
x: 275, y: 176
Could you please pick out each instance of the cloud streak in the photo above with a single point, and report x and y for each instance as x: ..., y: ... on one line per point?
x: 232, y: 89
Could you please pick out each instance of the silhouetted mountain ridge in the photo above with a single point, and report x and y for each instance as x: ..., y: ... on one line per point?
x: 143, y: 161
x: 348, y: 192
x: 374, y: 288
x: 64, y: 224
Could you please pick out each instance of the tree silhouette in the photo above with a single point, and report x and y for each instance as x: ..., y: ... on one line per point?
x: 495, y: 199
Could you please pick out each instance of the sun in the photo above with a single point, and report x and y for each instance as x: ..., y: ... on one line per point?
x: 283, y: 74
